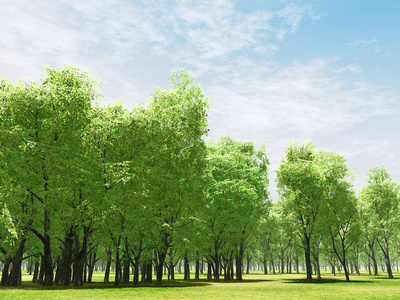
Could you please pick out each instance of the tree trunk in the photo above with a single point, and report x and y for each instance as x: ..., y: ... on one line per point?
x: 136, y: 270
x: 308, y: 258
x: 209, y: 270
x: 186, y: 268
x: 108, y: 266
x: 91, y: 265
x: 6, y: 267
x: 197, y: 272
x: 14, y: 278
x: 159, y: 266
x: 273, y: 266
x: 265, y: 263
x: 41, y: 272
x: 387, y: 259
x: 216, y: 265
x: 373, y: 258
x: 317, y: 266
x: 126, y: 274
x: 63, y: 273
x: 47, y: 259
x: 149, y: 272
x: 248, y: 260
x: 80, y: 257
x: 239, y: 263
x: 35, y: 272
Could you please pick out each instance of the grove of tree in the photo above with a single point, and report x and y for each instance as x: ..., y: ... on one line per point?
x: 87, y: 187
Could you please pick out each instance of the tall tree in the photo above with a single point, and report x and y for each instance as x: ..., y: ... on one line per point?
x: 41, y: 129
x: 342, y: 222
x: 171, y: 161
x: 306, y: 179
x: 381, y: 202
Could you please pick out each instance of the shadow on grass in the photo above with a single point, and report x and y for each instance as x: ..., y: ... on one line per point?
x: 89, y: 286
x: 324, y: 281
x: 165, y: 284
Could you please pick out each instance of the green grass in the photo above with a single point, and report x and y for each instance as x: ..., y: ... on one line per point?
x: 255, y: 286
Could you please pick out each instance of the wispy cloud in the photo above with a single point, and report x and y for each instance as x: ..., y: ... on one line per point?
x: 304, y: 98
x: 369, y: 45
x: 212, y: 31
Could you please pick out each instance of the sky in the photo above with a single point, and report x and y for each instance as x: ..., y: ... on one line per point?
x: 275, y: 70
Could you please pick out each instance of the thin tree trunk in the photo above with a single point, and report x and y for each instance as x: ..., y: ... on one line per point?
x: 197, y: 272
x: 35, y: 272
x: 108, y: 266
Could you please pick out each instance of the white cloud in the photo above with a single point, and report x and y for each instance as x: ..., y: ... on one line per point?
x: 303, y: 98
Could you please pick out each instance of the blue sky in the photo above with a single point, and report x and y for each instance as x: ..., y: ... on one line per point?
x: 319, y: 70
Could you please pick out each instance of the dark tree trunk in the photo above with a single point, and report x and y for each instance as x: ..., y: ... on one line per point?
x: 63, y: 273
x: 117, y: 263
x: 239, y: 263
x: 186, y: 268
x: 149, y: 272
x: 248, y: 260
x: 197, y: 272
x: 41, y: 272
x: 216, y: 266
x: 35, y: 272
x: 239, y: 266
x: 265, y: 264
x: 369, y: 266
x: 47, y: 259
x: 209, y: 270
x: 126, y: 273
x: 308, y: 258
x: 136, y: 268
x: 91, y: 265
x: 14, y: 277
x: 373, y: 258
x: 317, y: 266
x: 108, y: 266
x: 273, y: 266
x: 117, y: 266
x: 385, y: 250
x: 160, y: 266
x: 171, y: 271
x: 143, y: 268
x: 6, y: 267
x: 80, y: 257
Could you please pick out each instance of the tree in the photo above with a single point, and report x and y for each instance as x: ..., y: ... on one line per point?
x: 238, y: 198
x: 342, y: 222
x: 381, y: 199
x: 267, y: 238
x: 171, y: 159
x: 306, y: 179
x: 40, y: 133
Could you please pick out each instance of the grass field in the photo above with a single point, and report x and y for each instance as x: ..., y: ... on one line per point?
x: 255, y: 286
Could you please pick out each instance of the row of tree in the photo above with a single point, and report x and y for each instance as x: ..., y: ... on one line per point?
x: 82, y: 184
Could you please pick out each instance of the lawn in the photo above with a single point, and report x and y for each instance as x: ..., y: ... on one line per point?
x: 255, y: 286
